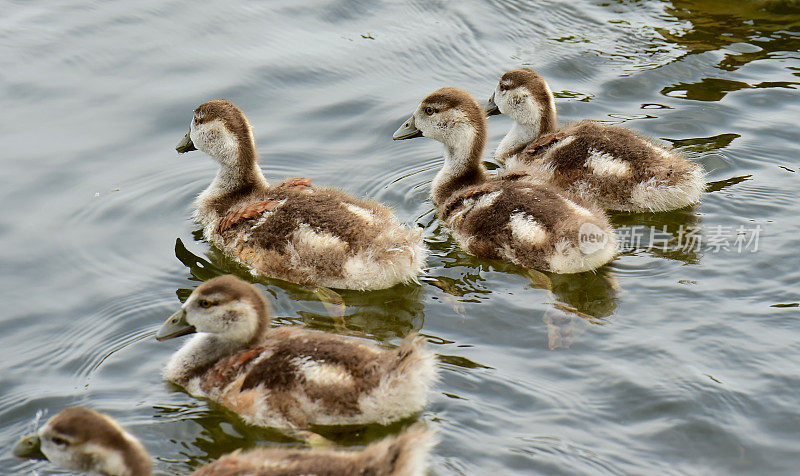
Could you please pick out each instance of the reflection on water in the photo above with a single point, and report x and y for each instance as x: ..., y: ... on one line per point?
x: 667, y: 234
x: 767, y: 26
x: 744, y: 31
x: 593, y: 294
x: 565, y: 324
x: 222, y: 431
x: 589, y: 296
x: 383, y: 314
x: 704, y: 144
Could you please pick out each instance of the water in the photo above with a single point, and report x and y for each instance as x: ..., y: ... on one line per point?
x: 683, y: 362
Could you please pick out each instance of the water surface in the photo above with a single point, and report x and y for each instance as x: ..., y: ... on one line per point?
x: 676, y: 361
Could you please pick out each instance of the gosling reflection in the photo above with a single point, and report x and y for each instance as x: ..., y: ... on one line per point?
x: 383, y: 314
x: 593, y: 293
x: 222, y: 433
x: 590, y: 297
x: 675, y: 235
x: 565, y: 324
x: 579, y: 302
x: 590, y: 294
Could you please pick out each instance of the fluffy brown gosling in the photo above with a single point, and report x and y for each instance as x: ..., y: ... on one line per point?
x: 294, y: 231
x: 609, y: 165
x: 84, y: 440
x: 531, y: 224
x: 290, y: 377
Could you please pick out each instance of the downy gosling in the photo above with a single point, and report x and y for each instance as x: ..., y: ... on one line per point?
x: 612, y: 166
x: 531, y: 224
x: 294, y: 231
x: 290, y: 377
x: 81, y: 439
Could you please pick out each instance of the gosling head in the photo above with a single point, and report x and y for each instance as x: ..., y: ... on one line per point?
x: 221, y: 130
x: 524, y: 96
x: 449, y: 115
x: 84, y: 440
x: 227, y: 307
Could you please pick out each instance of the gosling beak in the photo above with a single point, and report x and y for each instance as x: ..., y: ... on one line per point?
x: 491, y: 108
x: 29, y: 447
x: 185, y: 145
x: 407, y: 131
x: 175, y: 326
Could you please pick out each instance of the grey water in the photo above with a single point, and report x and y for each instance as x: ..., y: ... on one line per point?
x: 680, y: 357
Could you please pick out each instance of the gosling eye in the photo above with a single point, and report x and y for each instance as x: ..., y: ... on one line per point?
x: 58, y: 441
x: 429, y: 110
x: 204, y: 303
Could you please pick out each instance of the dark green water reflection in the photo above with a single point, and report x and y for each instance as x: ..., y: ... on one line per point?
x: 673, y: 359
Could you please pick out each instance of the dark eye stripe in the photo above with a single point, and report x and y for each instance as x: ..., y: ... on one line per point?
x: 59, y: 441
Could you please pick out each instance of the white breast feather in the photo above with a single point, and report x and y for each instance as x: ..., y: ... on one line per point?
x: 183, y: 360
x: 112, y: 461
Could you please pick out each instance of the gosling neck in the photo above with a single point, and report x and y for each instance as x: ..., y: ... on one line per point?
x: 196, y: 356
x: 542, y: 121
x: 238, y: 169
x: 517, y: 138
x: 462, y: 168
x: 238, y: 177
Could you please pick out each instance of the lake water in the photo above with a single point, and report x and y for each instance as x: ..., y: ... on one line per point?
x: 680, y: 357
